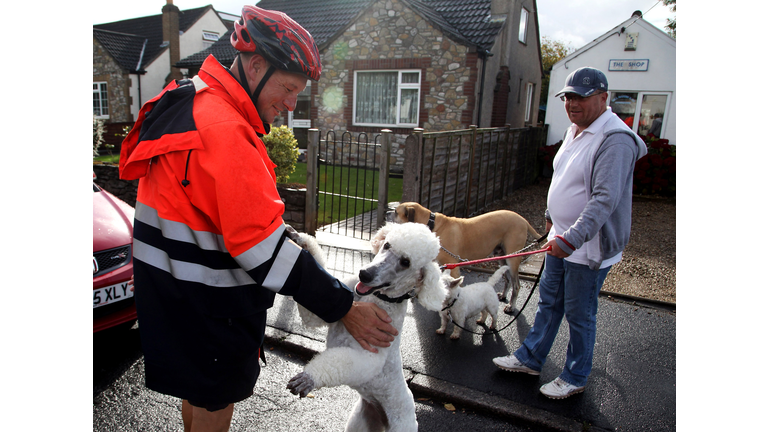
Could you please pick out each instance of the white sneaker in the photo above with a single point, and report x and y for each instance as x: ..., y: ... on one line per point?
x: 559, y: 389
x: 512, y: 364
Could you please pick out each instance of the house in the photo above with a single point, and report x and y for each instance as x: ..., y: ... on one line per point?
x: 134, y: 59
x: 638, y: 60
x: 404, y: 64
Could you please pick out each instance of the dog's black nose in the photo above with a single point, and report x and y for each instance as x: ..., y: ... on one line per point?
x: 365, y: 276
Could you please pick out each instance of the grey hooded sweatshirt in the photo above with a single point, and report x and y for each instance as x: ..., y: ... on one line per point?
x: 608, y: 213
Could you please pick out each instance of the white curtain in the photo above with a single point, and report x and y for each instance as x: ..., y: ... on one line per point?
x: 376, y: 97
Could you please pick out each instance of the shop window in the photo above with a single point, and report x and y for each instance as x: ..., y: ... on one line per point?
x: 652, y: 114
x: 100, y: 100
x: 387, y: 98
x: 640, y: 117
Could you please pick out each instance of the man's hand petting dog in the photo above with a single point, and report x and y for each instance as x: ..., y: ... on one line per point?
x: 370, y: 326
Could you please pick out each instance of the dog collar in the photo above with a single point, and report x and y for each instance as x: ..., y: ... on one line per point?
x: 452, y: 303
x: 431, y: 223
x: 400, y: 299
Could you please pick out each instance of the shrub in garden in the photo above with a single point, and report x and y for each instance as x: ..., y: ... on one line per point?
x: 655, y: 173
x: 282, y: 148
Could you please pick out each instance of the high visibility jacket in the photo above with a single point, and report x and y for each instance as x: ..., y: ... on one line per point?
x: 210, y: 249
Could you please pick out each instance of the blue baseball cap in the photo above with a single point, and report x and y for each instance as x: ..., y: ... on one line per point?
x: 584, y: 82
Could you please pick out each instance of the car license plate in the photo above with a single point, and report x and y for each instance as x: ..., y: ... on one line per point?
x: 111, y: 294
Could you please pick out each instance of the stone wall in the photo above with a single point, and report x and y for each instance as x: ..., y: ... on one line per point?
x: 108, y: 177
x: 389, y: 35
x: 106, y: 69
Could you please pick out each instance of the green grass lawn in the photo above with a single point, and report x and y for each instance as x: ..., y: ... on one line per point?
x: 350, y: 182
x: 115, y: 158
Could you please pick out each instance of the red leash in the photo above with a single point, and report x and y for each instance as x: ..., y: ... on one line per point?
x: 452, y: 266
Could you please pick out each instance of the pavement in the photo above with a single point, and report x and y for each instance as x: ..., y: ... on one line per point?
x: 632, y: 386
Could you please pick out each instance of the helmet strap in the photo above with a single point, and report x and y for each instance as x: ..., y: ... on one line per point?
x: 244, y: 80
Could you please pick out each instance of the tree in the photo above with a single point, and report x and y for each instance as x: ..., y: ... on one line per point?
x: 671, y: 23
x: 552, y: 51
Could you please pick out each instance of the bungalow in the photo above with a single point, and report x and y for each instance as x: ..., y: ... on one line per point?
x: 639, y: 61
x: 404, y: 64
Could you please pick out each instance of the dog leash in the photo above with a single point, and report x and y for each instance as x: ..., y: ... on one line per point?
x: 451, y: 266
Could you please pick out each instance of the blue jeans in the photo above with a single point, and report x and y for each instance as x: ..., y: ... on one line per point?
x: 570, y: 290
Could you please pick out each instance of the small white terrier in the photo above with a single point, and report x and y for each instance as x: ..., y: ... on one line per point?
x: 465, y: 302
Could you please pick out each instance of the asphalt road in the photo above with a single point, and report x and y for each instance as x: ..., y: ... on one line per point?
x: 122, y: 403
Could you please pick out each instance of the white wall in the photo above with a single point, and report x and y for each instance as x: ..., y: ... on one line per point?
x: 653, y: 44
x: 191, y: 41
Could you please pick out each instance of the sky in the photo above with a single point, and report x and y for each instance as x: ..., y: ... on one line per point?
x: 575, y: 22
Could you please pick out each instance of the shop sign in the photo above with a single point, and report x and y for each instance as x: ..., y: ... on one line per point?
x: 638, y: 65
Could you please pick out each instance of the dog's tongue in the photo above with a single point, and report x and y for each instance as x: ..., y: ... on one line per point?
x: 362, y: 288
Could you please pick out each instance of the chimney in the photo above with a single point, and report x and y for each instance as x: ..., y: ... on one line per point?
x: 171, y: 38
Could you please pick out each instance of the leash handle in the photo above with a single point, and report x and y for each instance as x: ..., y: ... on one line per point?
x: 452, y: 266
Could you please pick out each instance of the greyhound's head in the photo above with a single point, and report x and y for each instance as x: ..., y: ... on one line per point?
x: 404, y: 263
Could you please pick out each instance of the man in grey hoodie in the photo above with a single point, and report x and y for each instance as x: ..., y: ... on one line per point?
x: 589, y: 209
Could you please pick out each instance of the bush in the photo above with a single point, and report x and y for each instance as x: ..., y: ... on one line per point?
x: 655, y: 173
x: 282, y: 148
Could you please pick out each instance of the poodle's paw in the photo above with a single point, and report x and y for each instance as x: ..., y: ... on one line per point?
x: 440, y: 331
x: 501, y: 297
x: 454, y: 336
x: 480, y: 321
x: 509, y: 309
x: 301, y: 384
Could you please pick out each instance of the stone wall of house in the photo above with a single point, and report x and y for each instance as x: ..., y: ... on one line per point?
x: 108, y: 177
x: 390, y: 35
x: 105, y: 68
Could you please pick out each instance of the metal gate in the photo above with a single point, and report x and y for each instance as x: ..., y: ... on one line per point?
x: 350, y: 182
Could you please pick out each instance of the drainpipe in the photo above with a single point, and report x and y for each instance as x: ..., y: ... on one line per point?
x: 484, y: 54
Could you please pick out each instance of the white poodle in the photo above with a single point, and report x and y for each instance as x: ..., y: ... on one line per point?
x: 465, y: 302
x: 404, y: 267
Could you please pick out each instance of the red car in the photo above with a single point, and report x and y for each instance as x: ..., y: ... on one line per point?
x: 113, y: 302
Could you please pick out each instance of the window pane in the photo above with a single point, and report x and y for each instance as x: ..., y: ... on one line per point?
x: 96, y: 104
x: 409, y: 106
x: 652, y: 115
x: 410, y: 77
x: 523, y: 25
x: 529, y: 102
x: 624, y: 105
x: 376, y: 97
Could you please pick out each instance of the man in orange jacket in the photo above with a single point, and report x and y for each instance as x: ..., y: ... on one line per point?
x: 210, y: 245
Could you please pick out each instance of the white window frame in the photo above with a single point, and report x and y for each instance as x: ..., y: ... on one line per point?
x: 639, y: 106
x: 101, y: 89
x: 400, y: 87
x: 210, y: 36
x: 522, y: 31
x: 529, y: 88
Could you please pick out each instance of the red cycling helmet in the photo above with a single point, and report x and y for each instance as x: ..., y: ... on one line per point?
x: 280, y: 39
